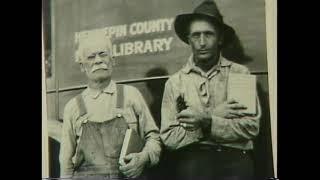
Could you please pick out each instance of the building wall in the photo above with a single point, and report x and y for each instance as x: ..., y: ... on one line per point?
x: 66, y: 17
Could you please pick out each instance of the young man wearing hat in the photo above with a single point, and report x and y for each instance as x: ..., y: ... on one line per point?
x: 210, y: 136
x: 96, y: 120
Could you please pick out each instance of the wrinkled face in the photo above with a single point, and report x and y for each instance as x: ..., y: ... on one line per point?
x: 98, y: 65
x: 204, y: 40
x: 95, y: 57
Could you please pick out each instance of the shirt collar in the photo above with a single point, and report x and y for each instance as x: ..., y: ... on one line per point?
x: 93, y: 93
x: 223, y: 62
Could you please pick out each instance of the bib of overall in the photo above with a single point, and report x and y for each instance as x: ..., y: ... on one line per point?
x: 99, y: 148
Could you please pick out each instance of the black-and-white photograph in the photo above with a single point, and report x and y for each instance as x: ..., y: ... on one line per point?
x: 157, y: 89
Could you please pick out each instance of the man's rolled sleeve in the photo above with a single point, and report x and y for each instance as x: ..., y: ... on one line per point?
x: 68, y: 142
x: 229, y: 130
x: 172, y: 134
x: 148, y: 127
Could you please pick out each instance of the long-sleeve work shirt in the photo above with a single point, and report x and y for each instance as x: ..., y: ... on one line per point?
x: 203, y: 91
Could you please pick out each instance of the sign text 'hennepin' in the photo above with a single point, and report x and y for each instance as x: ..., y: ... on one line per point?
x: 152, y: 36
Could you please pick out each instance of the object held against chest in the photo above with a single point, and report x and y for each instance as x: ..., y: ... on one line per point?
x: 181, y: 104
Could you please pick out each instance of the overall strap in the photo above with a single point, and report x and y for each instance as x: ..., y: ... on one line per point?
x: 131, y: 119
x: 82, y: 111
x: 81, y: 105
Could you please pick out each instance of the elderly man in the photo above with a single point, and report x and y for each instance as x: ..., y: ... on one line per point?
x: 96, y: 120
x: 210, y: 135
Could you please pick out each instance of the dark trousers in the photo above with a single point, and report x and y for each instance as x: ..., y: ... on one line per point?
x: 211, y: 163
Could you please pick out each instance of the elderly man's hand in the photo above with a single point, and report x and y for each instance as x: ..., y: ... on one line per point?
x: 135, y: 165
x: 229, y: 109
x: 192, y: 120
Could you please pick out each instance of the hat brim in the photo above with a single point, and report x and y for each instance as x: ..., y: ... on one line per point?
x: 182, y: 22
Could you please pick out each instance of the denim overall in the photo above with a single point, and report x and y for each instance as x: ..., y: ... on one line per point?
x: 98, y: 151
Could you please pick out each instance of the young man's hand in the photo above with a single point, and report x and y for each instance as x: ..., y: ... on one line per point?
x: 192, y: 120
x: 229, y: 109
x: 134, y: 164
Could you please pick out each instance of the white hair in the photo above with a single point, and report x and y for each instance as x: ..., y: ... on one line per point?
x: 88, y: 40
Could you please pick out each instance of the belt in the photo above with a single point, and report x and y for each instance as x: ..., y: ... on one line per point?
x: 216, y: 148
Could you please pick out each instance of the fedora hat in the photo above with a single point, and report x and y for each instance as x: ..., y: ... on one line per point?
x: 207, y: 9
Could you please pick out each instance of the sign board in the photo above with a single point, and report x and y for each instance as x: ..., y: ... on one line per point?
x: 144, y: 37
